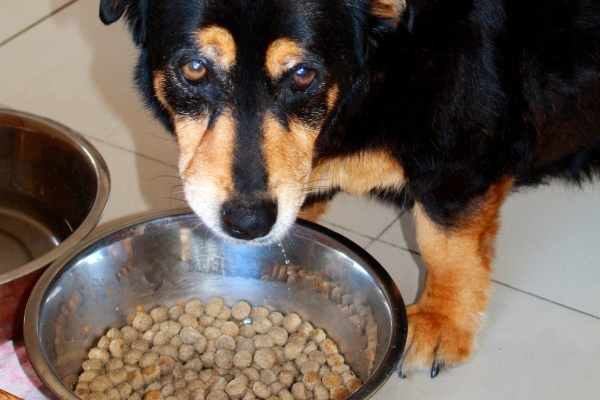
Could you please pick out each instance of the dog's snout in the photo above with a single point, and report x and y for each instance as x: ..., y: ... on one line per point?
x: 248, y: 219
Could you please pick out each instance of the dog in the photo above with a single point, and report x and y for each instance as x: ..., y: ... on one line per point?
x: 442, y: 107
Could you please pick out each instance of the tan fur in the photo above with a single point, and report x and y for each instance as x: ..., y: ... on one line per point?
x: 389, y: 9
x: 288, y: 155
x: 189, y: 133
x: 451, y: 308
x: 206, y: 157
x: 332, y: 97
x: 217, y: 45
x: 282, y: 55
x: 358, y: 174
x: 159, y: 82
x: 314, y: 211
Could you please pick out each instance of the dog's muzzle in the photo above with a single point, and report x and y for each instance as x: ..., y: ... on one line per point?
x: 248, y: 217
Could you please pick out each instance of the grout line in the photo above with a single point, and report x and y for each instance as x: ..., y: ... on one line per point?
x: 376, y: 239
x: 373, y: 240
x: 388, y: 226
x: 546, y: 300
x: 92, y: 138
x: 349, y: 230
x: 39, y: 21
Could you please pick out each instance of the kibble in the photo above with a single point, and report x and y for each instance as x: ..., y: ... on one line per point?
x: 209, y: 351
x: 291, y: 322
x: 242, y: 359
x: 236, y: 388
x: 214, y: 306
x: 142, y: 322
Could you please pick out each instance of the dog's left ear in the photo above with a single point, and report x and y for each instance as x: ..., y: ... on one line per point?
x: 135, y: 14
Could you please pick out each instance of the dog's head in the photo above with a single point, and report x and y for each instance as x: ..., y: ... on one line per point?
x: 247, y: 87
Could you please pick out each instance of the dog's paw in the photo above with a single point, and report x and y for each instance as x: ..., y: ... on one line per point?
x: 435, y: 341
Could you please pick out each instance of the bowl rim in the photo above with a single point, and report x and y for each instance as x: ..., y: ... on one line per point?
x: 380, y: 374
x: 98, y: 163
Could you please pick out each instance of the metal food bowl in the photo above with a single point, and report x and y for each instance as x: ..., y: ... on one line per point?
x: 161, y: 260
x: 53, y: 189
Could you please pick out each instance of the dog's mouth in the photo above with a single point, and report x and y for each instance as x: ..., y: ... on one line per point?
x: 248, y: 217
x: 253, y: 218
x: 244, y: 194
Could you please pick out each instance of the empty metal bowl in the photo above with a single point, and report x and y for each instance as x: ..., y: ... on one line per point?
x: 53, y: 189
x: 165, y: 259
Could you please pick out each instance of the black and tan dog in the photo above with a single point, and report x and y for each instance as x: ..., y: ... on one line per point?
x: 441, y: 106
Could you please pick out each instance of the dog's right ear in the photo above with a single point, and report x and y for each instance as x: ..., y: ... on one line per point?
x: 135, y: 14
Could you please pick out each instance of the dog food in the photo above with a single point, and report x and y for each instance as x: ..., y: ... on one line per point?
x: 209, y: 351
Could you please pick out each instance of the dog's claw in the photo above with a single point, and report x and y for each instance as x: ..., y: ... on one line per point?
x: 435, y: 369
x: 401, y: 372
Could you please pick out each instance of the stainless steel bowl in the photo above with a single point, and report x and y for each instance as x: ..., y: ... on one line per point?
x: 163, y: 259
x: 53, y: 189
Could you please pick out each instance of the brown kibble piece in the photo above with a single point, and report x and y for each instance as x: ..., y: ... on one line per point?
x: 214, y: 307
x: 194, y: 308
x: 142, y: 321
x: 100, y: 383
x: 332, y: 379
x: 154, y: 395
x: 338, y: 393
x: 265, y: 358
x: 291, y: 322
x: 320, y: 392
x: 237, y: 387
x: 208, y: 351
x: 224, y: 358
x: 242, y: 359
x: 241, y: 310
x: 261, y: 390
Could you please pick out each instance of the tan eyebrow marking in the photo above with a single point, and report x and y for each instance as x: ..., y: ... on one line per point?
x: 217, y: 45
x: 282, y: 55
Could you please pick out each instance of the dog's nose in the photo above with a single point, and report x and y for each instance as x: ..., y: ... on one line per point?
x: 244, y: 218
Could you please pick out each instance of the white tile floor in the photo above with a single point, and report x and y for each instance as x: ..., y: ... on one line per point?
x: 542, y: 339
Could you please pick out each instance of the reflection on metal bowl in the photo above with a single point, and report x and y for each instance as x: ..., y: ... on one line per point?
x: 164, y: 259
x: 53, y: 189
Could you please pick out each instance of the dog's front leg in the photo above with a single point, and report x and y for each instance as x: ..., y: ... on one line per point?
x: 444, y: 323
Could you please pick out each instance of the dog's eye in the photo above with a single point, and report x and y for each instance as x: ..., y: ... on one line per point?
x: 194, y: 72
x: 303, y: 77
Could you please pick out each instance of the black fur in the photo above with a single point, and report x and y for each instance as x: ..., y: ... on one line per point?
x: 462, y: 92
x: 478, y: 90
x: 459, y: 99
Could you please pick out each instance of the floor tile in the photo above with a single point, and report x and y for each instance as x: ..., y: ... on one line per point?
x: 549, y: 245
x: 528, y: 350
x: 405, y: 268
x: 357, y: 238
x: 402, y: 233
x: 141, y: 133
x: 73, y: 69
x: 138, y: 184
x: 359, y: 214
x: 18, y: 15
